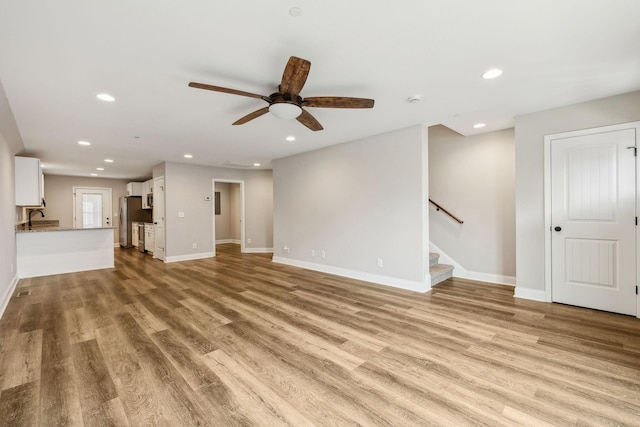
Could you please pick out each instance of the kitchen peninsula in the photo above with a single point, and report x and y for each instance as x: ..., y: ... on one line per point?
x: 47, y: 250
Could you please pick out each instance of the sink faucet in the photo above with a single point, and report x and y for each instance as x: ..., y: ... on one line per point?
x: 31, y: 213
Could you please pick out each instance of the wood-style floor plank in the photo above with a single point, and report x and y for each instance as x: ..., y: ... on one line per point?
x: 238, y: 340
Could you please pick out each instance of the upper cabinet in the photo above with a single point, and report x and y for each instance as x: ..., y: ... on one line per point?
x: 135, y: 189
x: 29, y: 182
x: 147, y: 194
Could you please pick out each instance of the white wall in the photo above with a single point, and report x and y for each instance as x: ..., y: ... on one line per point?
x: 530, y: 132
x: 358, y: 202
x: 185, y: 188
x: 58, y: 193
x: 10, y: 144
x: 474, y: 178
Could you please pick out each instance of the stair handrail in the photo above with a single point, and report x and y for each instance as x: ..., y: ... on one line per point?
x: 440, y: 208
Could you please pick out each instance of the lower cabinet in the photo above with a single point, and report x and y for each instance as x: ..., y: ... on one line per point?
x: 149, y: 237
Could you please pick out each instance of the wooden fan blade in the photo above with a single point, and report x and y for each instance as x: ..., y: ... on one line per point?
x: 294, y: 76
x: 309, y: 121
x: 252, y: 116
x: 227, y: 90
x: 337, y: 102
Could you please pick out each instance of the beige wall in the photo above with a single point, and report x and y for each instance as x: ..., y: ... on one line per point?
x: 530, y: 132
x: 186, y: 187
x: 474, y: 178
x: 10, y: 145
x: 58, y: 193
x: 359, y: 202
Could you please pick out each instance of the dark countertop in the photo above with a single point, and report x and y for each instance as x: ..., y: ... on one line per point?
x: 50, y: 225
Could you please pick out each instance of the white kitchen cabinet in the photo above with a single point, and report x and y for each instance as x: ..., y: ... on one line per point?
x: 29, y: 181
x: 147, y: 188
x: 134, y: 189
x: 149, y: 237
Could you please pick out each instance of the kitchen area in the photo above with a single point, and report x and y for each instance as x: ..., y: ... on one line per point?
x: 82, y: 220
x: 137, y: 224
x: 44, y: 246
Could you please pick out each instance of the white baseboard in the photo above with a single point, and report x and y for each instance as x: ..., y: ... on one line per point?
x: 4, y: 302
x: 531, y: 294
x: 223, y: 241
x: 258, y: 250
x: 359, y: 275
x: 463, y: 273
x: 188, y: 257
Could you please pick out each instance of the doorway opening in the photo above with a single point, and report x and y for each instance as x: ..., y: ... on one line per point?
x: 228, y: 214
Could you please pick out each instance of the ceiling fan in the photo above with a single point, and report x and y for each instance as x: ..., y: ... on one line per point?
x: 287, y: 102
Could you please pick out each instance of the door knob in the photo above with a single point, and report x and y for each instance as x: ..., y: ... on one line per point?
x: 558, y: 228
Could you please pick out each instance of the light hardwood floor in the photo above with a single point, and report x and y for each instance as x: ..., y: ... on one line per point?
x: 237, y: 340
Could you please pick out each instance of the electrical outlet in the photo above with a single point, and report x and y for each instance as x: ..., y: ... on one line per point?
x: 180, y: 214
x: 195, y: 246
x: 380, y: 262
x: 313, y: 253
x: 248, y: 239
x: 324, y: 254
x: 285, y: 249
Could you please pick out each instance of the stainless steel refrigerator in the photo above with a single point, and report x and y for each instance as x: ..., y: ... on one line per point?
x: 131, y: 210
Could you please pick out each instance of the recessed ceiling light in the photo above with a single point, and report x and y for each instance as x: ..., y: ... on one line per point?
x: 108, y: 160
x: 414, y: 99
x: 479, y: 125
x: 256, y: 164
x: 492, y: 73
x: 84, y: 143
x: 188, y: 156
x: 291, y: 138
x: 105, y: 97
x: 99, y: 169
x: 94, y: 174
x: 295, y: 12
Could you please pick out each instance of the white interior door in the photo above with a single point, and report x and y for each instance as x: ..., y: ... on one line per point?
x: 593, y: 221
x: 158, y: 218
x: 92, y: 207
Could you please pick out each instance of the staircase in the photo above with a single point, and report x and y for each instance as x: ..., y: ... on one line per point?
x: 439, y: 272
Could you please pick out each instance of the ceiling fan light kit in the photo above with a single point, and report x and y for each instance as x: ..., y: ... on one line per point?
x: 287, y: 103
x: 285, y: 111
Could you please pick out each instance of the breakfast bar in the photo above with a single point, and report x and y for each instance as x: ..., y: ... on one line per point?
x: 43, y: 251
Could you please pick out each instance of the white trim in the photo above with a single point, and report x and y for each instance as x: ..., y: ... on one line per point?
x: 189, y: 257
x: 225, y: 241
x: 258, y: 250
x: 4, y: 302
x: 359, y: 275
x: 547, y: 201
x: 213, y: 219
x: 530, y: 294
x: 462, y: 273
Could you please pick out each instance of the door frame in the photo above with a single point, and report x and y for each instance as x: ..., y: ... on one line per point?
x: 547, y: 199
x: 213, y: 218
x: 75, y: 189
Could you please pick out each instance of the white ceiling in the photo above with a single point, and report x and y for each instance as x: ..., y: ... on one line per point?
x: 55, y: 56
